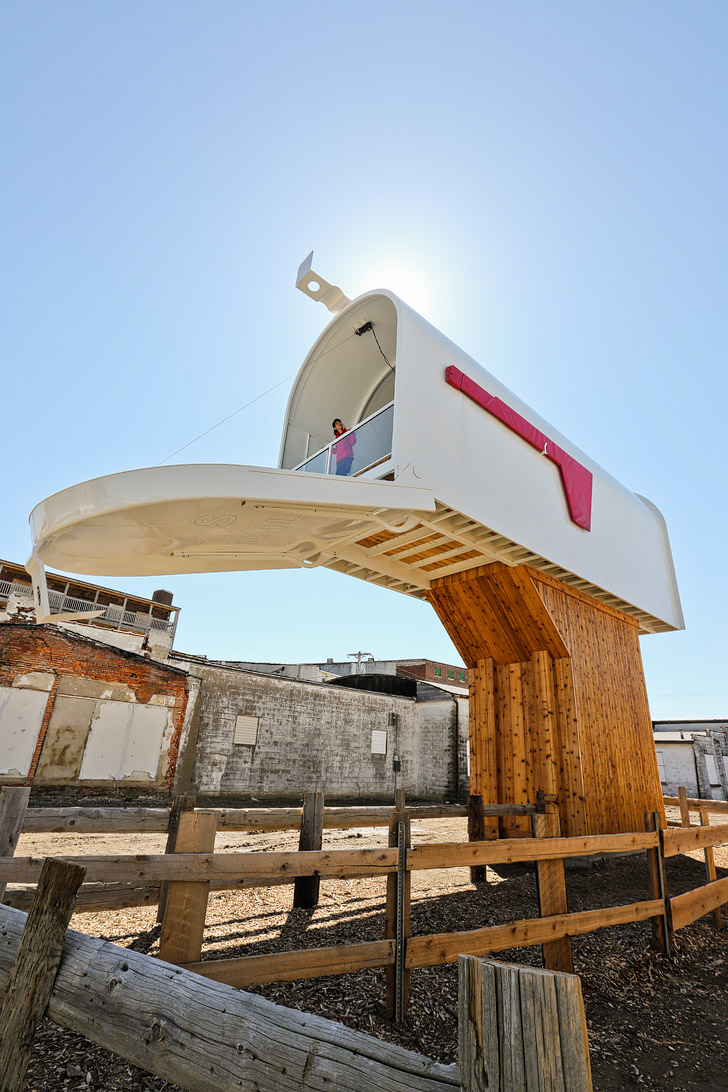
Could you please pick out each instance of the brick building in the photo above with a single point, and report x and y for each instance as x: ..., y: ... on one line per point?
x: 75, y: 711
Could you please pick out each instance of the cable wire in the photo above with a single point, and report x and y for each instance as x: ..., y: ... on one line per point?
x: 228, y: 418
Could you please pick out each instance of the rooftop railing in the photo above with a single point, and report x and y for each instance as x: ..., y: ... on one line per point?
x: 115, y: 616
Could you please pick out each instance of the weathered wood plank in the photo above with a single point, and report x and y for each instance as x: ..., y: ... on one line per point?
x: 693, y: 904
x: 541, y: 1038
x: 180, y: 805
x: 696, y: 803
x: 306, y: 888
x: 476, y: 833
x: 478, y: 1053
x: 436, y: 949
x: 510, y: 1028
x: 684, y: 806
x: 184, y: 916
x: 552, y: 900
x: 33, y: 973
x: 13, y: 805
x: 683, y: 841
x: 171, y: 1023
x: 96, y: 820
x: 241, y: 867
x: 290, y: 966
x: 574, y: 1038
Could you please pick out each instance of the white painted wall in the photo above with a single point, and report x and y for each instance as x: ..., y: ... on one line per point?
x: 125, y: 741
x: 21, y: 715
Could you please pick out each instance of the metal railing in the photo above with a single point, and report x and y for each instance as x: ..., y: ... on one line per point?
x: 360, y: 449
x: 114, y: 616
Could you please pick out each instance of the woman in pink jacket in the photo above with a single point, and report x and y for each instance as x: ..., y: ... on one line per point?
x: 345, y: 447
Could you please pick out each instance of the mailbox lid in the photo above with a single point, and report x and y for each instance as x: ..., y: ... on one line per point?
x: 213, y: 518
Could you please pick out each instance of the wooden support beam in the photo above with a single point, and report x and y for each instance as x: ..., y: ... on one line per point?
x: 520, y: 1029
x: 661, y: 923
x: 197, y: 1034
x: 13, y: 805
x: 306, y: 888
x: 398, y: 913
x: 184, y: 920
x: 180, y: 804
x: 33, y: 973
x: 710, y: 874
x: 552, y: 899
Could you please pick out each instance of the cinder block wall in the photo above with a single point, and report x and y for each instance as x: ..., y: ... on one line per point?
x: 317, y: 737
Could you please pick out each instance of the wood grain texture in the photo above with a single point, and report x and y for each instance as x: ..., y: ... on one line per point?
x: 208, y: 1037
x: 186, y: 906
x: 683, y: 841
x: 306, y: 888
x: 437, y: 949
x: 180, y: 805
x: 693, y: 904
x: 552, y: 900
x: 13, y: 805
x: 558, y: 697
x: 33, y: 973
x: 290, y: 966
x: 521, y: 1029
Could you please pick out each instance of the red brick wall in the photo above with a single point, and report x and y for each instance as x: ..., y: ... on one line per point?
x: 28, y: 647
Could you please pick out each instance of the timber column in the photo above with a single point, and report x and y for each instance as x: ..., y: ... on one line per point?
x: 558, y: 701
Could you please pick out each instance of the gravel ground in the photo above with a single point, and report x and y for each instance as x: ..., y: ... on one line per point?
x: 653, y: 1023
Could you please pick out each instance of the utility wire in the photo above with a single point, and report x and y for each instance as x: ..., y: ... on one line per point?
x: 257, y: 399
x: 228, y: 418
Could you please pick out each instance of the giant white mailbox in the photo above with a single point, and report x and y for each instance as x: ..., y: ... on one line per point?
x: 449, y: 470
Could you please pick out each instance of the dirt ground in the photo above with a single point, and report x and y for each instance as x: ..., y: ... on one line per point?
x: 653, y: 1023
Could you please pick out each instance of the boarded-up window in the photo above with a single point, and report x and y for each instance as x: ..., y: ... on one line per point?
x: 125, y: 741
x: 21, y: 715
x: 379, y: 742
x: 246, y: 731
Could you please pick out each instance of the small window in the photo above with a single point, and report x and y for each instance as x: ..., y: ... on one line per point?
x: 246, y: 731
x: 449, y: 674
x: 438, y: 672
x: 661, y: 765
x: 462, y: 676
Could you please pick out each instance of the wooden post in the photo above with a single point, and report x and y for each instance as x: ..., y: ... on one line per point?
x: 658, y: 886
x: 184, y: 918
x: 13, y: 805
x: 306, y: 888
x: 710, y: 872
x: 394, y: 928
x: 682, y: 793
x: 520, y: 1029
x: 180, y: 804
x: 34, y: 970
x: 476, y: 833
x: 552, y: 899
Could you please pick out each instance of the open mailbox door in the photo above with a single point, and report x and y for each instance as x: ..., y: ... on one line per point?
x: 212, y: 518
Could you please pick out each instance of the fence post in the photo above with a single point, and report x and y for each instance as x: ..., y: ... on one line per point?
x: 552, y: 898
x: 520, y: 1028
x: 397, y: 913
x: 34, y: 970
x: 710, y: 873
x: 180, y: 804
x: 184, y: 917
x: 13, y: 805
x: 682, y: 793
x: 658, y: 885
x: 476, y: 833
x: 306, y: 888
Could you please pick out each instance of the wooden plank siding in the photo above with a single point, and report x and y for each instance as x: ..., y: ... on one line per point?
x: 558, y: 698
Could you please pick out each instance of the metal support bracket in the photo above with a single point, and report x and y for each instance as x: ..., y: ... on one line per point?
x: 310, y: 283
x: 400, y: 940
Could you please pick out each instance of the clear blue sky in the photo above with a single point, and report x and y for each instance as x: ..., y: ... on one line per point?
x: 546, y: 182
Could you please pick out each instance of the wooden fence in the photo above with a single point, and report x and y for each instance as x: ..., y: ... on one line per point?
x: 194, y: 868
